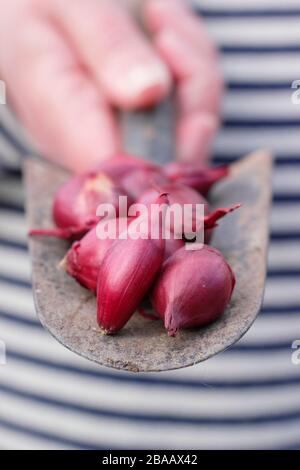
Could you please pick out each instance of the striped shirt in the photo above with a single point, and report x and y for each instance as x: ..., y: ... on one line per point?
x: 247, y: 397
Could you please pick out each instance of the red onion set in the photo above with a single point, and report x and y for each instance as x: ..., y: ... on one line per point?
x: 188, y: 288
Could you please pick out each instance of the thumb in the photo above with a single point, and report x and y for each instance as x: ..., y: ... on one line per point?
x: 117, y: 53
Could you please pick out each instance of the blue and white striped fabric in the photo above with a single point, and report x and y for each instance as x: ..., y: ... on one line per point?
x: 249, y: 396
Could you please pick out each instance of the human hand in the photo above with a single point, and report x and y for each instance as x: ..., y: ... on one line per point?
x: 67, y: 64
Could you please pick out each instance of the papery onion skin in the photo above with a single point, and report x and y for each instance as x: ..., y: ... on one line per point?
x: 193, y: 289
x: 78, y: 199
x: 76, y: 202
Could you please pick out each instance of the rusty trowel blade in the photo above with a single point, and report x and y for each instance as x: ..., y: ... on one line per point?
x: 68, y: 310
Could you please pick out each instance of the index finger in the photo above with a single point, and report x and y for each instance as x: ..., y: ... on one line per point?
x: 185, y: 45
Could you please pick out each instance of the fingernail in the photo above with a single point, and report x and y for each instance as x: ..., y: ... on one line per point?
x: 139, y: 85
x: 141, y: 79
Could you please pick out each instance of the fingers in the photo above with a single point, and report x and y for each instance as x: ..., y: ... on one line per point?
x: 58, y: 103
x: 195, y: 133
x: 175, y: 15
x: 183, y: 42
x: 121, y: 59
